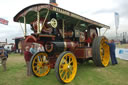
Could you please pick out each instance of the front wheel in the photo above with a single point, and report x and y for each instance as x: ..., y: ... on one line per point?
x: 66, y: 67
x: 39, y: 64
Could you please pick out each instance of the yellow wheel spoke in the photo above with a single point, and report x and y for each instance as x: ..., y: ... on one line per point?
x: 63, y: 61
x: 65, y: 74
x: 71, y: 68
x: 38, y: 66
x: 35, y: 66
x: 41, y: 59
x: 62, y: 71
x: 67, y: 67
x: 70, y: 72
x: 70, y: 62
x: 38, y: 70
x: 65, y: 58
x: 35, y: 62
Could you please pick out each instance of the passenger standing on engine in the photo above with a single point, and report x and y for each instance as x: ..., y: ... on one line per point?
x: 32, y: 49
x: 112, y: 52
x: 27, y: 57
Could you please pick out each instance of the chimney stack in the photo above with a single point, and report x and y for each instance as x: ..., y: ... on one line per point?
x: 53, y: 2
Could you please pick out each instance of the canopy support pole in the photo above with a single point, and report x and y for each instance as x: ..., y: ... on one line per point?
x: 99, y: 32
x: 105, y: 31
x: 38, y: 22
x: 44, y: 20
x: 25, y: 29
x: 63, y: 27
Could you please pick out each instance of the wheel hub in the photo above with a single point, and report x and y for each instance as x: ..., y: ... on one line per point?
x: 66, y: 66
x: 40, y: 64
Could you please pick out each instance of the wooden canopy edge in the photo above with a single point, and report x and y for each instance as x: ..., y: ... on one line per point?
x: 38, y: 7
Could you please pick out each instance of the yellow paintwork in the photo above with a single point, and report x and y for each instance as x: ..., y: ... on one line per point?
x: 68, y: 67
x: 104, y: 52
x: 42, y: 68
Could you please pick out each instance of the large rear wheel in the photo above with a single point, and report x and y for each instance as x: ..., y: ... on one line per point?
x: 100, y: 51
x: 66, y: 67
x: 39, y: 64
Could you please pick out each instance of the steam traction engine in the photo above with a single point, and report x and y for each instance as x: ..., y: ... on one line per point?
x: 66, y: 37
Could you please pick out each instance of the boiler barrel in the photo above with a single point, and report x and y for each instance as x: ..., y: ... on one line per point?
x: 59, y: 46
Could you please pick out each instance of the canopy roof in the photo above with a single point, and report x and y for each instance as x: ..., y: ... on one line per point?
x: 30, y: 13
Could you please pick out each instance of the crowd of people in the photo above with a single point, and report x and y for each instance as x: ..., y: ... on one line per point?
x: 28, y: 53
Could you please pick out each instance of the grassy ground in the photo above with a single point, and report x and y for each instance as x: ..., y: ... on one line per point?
x: 88, y: 74
x: 122, y: 46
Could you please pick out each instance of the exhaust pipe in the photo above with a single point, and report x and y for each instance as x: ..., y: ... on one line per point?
x: 53, y: 2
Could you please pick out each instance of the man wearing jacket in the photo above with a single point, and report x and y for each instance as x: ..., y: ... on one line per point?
x: 112, y: 47
x: 3, y: 57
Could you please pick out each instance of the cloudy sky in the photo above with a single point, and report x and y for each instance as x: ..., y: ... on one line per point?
x: 98, y: 10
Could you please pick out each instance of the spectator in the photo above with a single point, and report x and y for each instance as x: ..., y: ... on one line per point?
x: 27, y: 57
x: 40, y: 48
x: 112, y: 52
x: 32, y: 49
x: 3, y: 57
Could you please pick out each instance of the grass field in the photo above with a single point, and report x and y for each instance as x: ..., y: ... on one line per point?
x: 87, y: 74
x: 122, y: 46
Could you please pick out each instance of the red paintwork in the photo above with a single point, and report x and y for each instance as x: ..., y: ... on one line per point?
x: 52, y: 61
x: 80, y: 53
x: 83, y: 52
x: 30, y: 39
